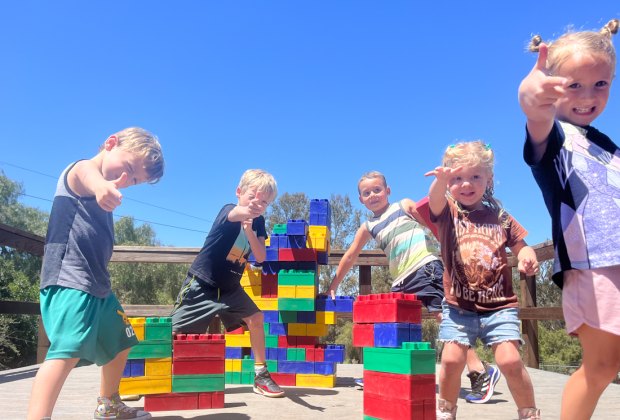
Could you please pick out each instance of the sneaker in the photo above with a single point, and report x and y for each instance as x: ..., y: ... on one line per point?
x: 445, y: 410
x: 529, y: 414
x: 264, y: 385
x: 114, y: 408
x: 359, y: 382
x: 482, y: 384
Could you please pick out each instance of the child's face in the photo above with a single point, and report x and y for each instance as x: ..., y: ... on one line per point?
x: 468, y: 186
x: 252, y: 196
x: 117, y: 161
x: 374, y: 195
x: 587, y: 91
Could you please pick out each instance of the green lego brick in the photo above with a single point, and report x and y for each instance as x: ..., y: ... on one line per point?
x: 266, y: 328
x: 280, y: 228
x: 247, y: 378
x: 198, y: 383
x: 272, y: 366
x: 271, y: 341
x: 411, y: 359
x: 296, y: 354
x: 292, y: 304
x: 296, y: 278
x: 247, y: 364
x: 367, y: 417
x: 159, y: 328
x: 287, y: 317
x: 151, y: 349
x: 232, y: 377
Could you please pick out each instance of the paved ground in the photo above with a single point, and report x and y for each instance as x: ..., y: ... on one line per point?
x: 77, y: 399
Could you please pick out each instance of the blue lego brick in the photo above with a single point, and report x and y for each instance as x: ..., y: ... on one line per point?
x: 297, y: 241
x: 325, y: 368
x: 277, y: 328
x: 270, y: 267
x: 137, y: 367
x: 321, y: 220
x: 271, y: 254
x: 334, y: 353
x: 295, y: 367
x: 320, y: 206
x: 127, y: 369
x: 271, y: 353
x: 306, y: 317
x: 415, y: 332
x: 282, y: 353
x: 322, y: 257
x: 296, y: 227
x: 270, y: 316
x: 340, y: 304
x: 299, y: 265
x: 391, y: 334
x: 234, y: 352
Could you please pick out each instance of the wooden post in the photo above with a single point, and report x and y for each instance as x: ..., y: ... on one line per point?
x: 365, y: 279
x: 529, y: 326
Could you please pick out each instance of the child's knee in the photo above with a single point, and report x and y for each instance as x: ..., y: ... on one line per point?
x: 256, y: 319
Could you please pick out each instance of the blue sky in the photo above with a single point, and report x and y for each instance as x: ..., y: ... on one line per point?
x: 316, y: 92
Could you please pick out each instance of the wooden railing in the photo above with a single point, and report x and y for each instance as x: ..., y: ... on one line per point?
x: 530, y: 314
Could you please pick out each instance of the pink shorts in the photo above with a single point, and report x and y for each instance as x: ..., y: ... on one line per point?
x: 591, y: 297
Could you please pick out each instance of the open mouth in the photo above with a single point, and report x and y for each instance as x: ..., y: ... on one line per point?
x: 584, y: 111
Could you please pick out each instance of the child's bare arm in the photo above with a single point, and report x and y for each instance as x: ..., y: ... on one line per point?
x: 85, y: 179
x: 528, y: 263
x: 538, y: 94
x: 362, y: 236
x: 437, y: 200
x: 410, y: 208
x: 257, y: 243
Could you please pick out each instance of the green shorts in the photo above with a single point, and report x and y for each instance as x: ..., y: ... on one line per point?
x: 80, y: 325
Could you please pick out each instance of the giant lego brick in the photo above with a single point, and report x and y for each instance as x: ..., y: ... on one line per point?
x: 318, y: 238
x: 387, y: 307
x: 280, y: 228
x: 238, y: 340
x: 165, y: 402
x: 134, y: 368
x: 269, y: 286
x: 211, y: 400
x: 315, y: 380
x: 137, y: 323
x: 297, y: 278
x: 145, y: 385
x: 340, y: 304
x: 296, y: 241
x: 394, y: 409
x: 295, y: 367
x: 284, y: 379
x: 198, y: 383
x: 158, y: 367
x: 363, y: 335
x: 297, y: 254
x: 325, y: 368
x: 191, y: 346
x: 296, y: 227
x: 198, y: 367
x: 251, y: 277
x: 294, y: 304
x: 334, y: 353
x: 320, y: 212
x: 151, y: 349
x: 404, y: 387
x: 394, y: 334
x: 411, y: 359
x: 158, y: 328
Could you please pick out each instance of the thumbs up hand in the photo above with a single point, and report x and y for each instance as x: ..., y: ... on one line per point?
x: 107, y: 192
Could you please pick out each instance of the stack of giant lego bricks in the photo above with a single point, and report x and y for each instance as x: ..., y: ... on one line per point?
x: 285, y: 288
x: 399, y: 369
x: 180, y: 372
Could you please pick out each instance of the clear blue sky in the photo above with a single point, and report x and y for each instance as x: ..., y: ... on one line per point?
x: 316, y: 92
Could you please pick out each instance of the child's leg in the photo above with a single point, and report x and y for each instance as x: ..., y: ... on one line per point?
x: 453, y: 359
x: 111, y: 374
x: 255, y: 324
x: 474, y: 364
x: 47, y: 385
x: 510, y: 364
x: 600, y: 365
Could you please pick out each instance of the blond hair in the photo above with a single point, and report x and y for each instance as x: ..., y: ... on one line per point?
x: 371, y: 175
x: 592, y: 42
x: 262, y: 180
x: 470, y: 154
x: 145, y: 144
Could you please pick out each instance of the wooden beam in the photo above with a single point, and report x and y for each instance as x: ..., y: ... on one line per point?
x: 21, y: 240
x: 21, y: 308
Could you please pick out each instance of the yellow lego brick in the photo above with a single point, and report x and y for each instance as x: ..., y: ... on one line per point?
x: 297, y: 329
x: 251, y: 277
x: 315, y: 381
x: 303, y: 292
x: 327, y: 317
x: 268, y: 241
x: 232, y: 365
x: 138, y: 326
x: 286, y: 291
x: 266, y: 304
x: 238, y: 340
x: 145, y: 385
x: 318, y: 238
x: 158, y: 367
x: 253, y: 290
x: 316, y: 330
x: 318, y: 230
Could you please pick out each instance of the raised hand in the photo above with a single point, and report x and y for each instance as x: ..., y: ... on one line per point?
x: 444, y: 173
x: 107, y: 193
x: 528, y: 266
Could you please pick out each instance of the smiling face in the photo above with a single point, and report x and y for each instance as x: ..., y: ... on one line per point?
x: 117, y: 161
x: 374, y: 195
x: 587, y: 90
x: 469, y: 185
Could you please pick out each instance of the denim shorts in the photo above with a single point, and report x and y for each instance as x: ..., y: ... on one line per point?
x: 427, y: 284
x: 464, y: 327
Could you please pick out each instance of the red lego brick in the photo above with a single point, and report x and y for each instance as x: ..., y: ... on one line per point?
x: 269, y: 286
x: 211, y: 400
x: 402, y: 387
x: 201, y: 346
x: 387, y: 307
x: 297, y: 254
x: 284, y: 379
x: 198, y: 366
x: 165, y: 402
x: 306, y: 341
x: 286, y: 341
x: 395, y: 409
x: 423, y: 209
x: 363, y: 335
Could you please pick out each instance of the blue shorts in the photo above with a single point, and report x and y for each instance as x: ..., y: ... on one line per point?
x: 464, y: 327
x: 80, y: 325
x: 427, y: 284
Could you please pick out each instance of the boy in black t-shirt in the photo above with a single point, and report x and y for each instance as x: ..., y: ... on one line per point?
x: 212, y: 284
